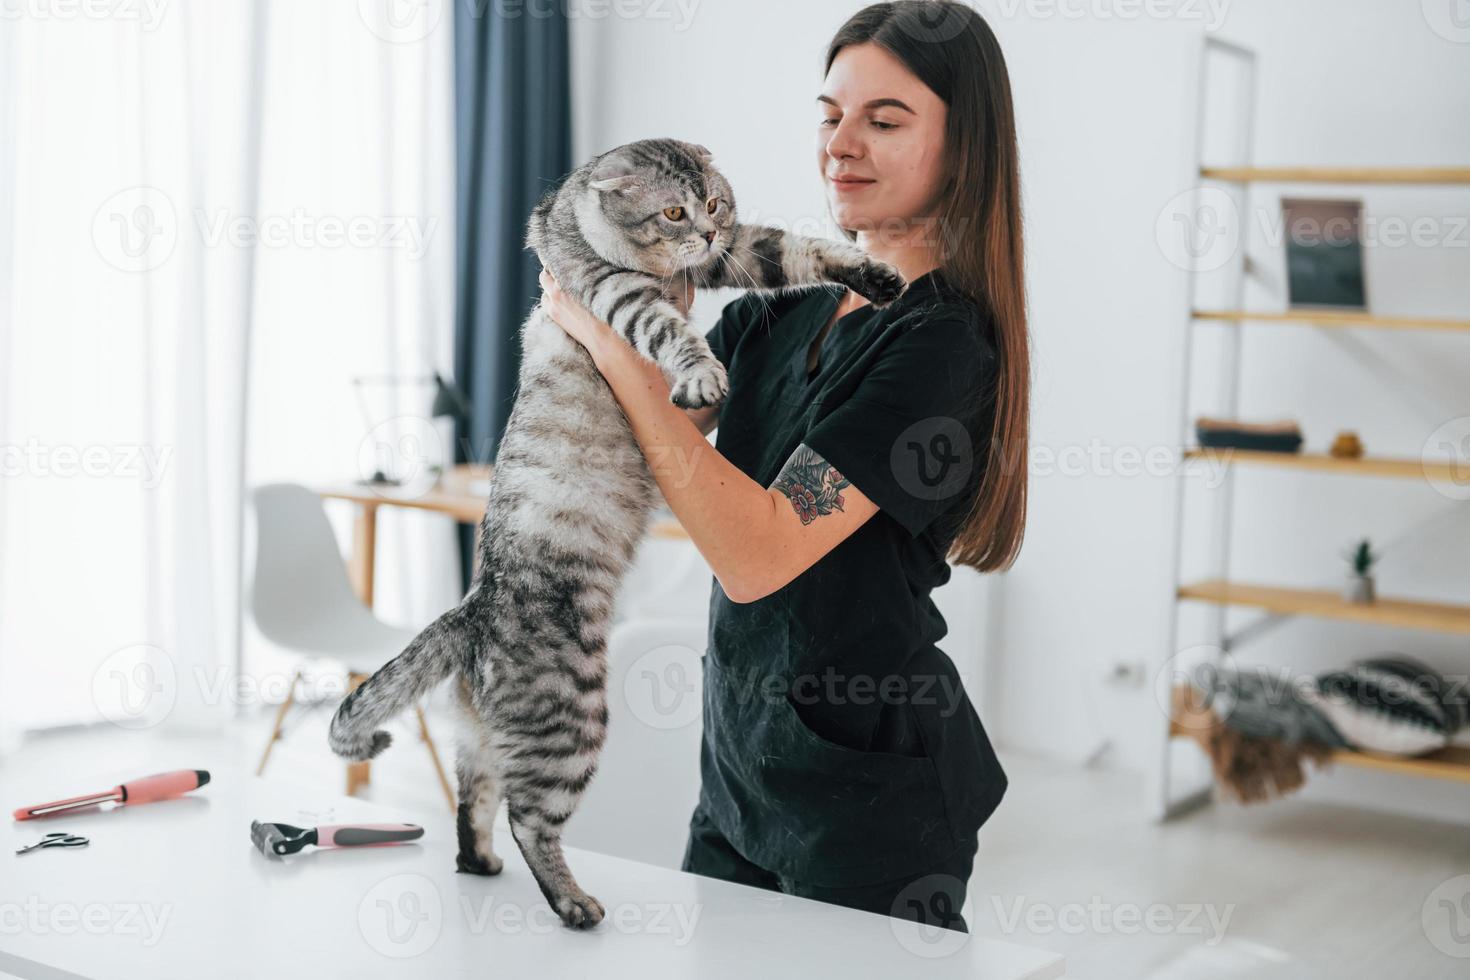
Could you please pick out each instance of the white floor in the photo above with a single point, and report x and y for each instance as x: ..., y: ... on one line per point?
x: 1292, y: 890
x: 1311, y: 890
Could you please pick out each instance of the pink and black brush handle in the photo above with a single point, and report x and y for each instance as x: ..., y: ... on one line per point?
x: 282, y: 838
x: 366, y: 834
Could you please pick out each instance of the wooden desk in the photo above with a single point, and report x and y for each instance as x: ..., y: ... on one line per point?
x: 460, y: 493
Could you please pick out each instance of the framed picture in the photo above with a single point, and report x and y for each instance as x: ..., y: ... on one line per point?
x: 1324, y: 253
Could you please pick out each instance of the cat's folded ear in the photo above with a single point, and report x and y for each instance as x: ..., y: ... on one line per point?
x: 614, y: 172
x: 702, y: 153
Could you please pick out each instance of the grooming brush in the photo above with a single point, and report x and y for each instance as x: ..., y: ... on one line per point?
x: 282, y: 838
x: 163, y: 786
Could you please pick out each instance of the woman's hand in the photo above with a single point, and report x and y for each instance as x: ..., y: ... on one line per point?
x: 580, y: 324
x: 570, y: 315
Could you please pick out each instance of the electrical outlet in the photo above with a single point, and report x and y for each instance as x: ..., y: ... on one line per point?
x: 1124, y: 673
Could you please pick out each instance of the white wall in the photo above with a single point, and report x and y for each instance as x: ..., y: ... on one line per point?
x: 1105, y: 107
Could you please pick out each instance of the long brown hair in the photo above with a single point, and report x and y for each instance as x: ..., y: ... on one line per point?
x: 951, y: 49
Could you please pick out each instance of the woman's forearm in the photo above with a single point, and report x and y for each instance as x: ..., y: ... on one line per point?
x: 726, y: 513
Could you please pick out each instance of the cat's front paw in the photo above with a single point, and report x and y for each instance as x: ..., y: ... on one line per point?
x: 879, y: 282
x: 703, y: 385
x: 579, y: 910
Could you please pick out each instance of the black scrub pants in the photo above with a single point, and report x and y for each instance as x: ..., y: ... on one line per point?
x: 931, y: 897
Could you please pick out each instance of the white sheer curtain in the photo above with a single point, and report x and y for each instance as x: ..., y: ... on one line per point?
x: 154, y: 256
x: 358, y: 154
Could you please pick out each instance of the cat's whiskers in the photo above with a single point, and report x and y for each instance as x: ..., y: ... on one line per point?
x: 741, y: 266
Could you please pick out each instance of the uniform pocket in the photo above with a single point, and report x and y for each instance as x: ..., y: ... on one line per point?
x: 906, y: 768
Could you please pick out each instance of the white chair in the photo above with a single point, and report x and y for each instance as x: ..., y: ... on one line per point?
x: 302, y: 600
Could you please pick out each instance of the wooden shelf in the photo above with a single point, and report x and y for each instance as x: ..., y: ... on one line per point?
x: 1339, y: 175
x: 1448, y: 763
x: 1452, y: 763
x: 1336, y: 318
x: 1327, y: 604
x: 1385, y: 466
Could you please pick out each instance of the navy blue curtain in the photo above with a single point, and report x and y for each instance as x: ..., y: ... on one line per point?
x: 513, y: 140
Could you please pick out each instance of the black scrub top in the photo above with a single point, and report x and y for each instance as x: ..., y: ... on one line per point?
x: 839, y: 746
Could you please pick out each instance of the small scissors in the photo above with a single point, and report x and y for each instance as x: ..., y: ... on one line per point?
x: 57, y: 840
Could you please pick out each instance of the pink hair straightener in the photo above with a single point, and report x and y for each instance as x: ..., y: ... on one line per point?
x: 162, y: 786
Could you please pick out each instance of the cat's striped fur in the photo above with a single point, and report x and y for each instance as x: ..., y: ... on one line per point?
x: 572, y: 493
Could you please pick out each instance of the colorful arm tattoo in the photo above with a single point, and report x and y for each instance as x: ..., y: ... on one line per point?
x: 811, y: 484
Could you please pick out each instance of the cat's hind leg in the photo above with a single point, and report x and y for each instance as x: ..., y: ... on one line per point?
x: 479, y: 798
x: 538, y: 835
x: 545, y: 777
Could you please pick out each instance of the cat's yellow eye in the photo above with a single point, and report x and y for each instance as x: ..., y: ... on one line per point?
x: 674, y: 214
x: 714, y: 205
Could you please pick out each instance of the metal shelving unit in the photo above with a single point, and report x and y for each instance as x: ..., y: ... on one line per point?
x: 1279, y: 603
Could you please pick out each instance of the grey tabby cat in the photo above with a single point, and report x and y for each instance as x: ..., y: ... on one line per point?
x: 572, y: 494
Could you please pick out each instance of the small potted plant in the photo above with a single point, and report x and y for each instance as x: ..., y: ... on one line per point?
x: 1360, y: 581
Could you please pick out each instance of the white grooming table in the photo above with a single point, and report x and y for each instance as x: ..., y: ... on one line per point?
x: 176, y: 889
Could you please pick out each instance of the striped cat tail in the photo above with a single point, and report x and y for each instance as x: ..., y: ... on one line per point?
x: 433, y: 654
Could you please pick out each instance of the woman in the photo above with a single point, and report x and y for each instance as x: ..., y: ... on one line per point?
x: 856, y: 450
